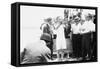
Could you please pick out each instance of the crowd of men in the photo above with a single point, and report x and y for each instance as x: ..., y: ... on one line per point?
x: 74, y: 35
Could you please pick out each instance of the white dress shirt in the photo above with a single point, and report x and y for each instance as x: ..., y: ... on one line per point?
x: 75, y: 28
x: 87, y: 27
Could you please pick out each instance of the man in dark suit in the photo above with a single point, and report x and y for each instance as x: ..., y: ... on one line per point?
x: 46, y: 28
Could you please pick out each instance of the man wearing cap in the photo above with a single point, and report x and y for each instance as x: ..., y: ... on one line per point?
x: 86, y: 28
x: 47, y: 29
x: 37, y: 52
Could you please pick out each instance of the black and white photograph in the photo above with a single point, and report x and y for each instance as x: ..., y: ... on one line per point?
x: 57, y: 34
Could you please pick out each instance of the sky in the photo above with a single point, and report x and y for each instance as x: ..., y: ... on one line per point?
x: 31, y: 19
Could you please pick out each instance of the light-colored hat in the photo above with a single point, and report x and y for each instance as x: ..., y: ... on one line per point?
x: 87, y: 12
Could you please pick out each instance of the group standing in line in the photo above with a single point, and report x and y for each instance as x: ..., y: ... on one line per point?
x: 78, y: 30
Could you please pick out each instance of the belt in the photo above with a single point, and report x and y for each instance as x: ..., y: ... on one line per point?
x: 86, y: 33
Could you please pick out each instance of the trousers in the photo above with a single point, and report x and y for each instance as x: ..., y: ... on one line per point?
x: 77, y: 45
x: 86, y: 45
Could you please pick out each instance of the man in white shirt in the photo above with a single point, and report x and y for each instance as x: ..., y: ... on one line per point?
x: 76, y: 40
x: 76, y: 37
x: 86, y: 28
